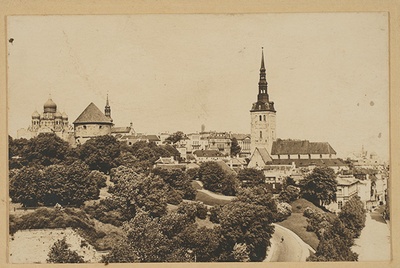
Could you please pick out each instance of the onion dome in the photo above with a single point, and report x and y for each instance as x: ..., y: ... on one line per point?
x: 57, y: 115
x: 64, y: 116
x: 35, y: 115
x: 50, y: 106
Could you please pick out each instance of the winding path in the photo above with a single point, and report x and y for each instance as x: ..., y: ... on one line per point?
x: 291, y: 249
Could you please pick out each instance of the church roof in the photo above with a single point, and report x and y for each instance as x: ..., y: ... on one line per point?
x: 280, y: 147
x: 264, y: 154
x: 92, y: 114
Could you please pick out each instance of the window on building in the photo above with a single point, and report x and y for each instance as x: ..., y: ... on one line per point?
x: 260, y: 134
x: 84, y: 127
x: 100, y: 126
x: 260, y: 118
x: 265, y: 118
x: 339, y: 204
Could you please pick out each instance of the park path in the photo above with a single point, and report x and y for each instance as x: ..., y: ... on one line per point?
x: 374, y: 241
x: 291, y: 249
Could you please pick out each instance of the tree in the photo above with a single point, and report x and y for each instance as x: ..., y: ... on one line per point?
x: 201, y: 243
x: 288, y: 181
x: 175, y: 137
x: 99, y: 178
x: 240, y: 253
x: 289, y: 194
x: 319, y: 187
x: 353, y: 215
x: 100, y: 153
x: 60, y: 253
x: 335, y: 244
x: 26, y: 186
x: 66, y: 185
x: 235, y: 148
x: 69, y: 185
x: 145, y: 238
x: 46, y: 149
x: 178, y: 180
x: 248, y: 224
x: 212, y: 176
x: 134, y: 191
x: 250, y: 177
x: 257, y: 196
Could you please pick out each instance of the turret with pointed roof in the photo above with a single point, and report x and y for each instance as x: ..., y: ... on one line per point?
x: 107, y: 109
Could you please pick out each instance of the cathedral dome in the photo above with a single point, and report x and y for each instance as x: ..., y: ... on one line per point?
x: 35, y: 115
x: 50, y: 106
x: 57, y: 115
x: 64, y: 116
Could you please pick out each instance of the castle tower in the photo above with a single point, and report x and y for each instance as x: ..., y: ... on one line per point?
x: 263, y: 115
x: 107, y: 109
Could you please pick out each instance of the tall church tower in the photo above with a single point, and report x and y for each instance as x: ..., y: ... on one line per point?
x: 263, y: 116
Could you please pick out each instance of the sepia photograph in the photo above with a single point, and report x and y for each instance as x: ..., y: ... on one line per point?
x: 208, y: 138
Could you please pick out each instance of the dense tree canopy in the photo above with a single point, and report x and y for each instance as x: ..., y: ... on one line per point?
x: 215, y: 179
x: 66, y: 185
x: 44, y: 150
x: 250, y: 177
x: 319, y: 187
x: 248, y: 224
x: 134, y: 191
x: 335, y: 244
x: 100, y: 153
x: 353, y: 215
x: 178, y: 180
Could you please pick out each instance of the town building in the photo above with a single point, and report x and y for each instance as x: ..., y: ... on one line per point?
x: 208, y: 155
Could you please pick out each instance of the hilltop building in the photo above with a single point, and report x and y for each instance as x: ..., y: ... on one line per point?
x: 50, y: 121
x: 92, y: 123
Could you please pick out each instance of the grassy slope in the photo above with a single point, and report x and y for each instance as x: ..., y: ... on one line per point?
x: 298, y: 223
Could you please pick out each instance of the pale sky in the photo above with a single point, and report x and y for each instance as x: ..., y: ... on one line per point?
x: 327, y: 72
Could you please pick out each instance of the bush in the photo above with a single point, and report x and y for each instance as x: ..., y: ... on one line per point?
x: 214, y: 213
x: 202, y: 210
x: 193, y: 173
x: 174, y: 197
x: 284, y: 211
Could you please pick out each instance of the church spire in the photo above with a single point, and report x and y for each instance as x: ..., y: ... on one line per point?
x: 262, y: 84
x: 107, y: 109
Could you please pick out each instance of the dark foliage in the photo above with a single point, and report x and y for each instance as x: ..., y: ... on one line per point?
x: 66, y: 185
x: 100, y: 153
x: 353, y: 215
x: 250, y: 177
x: 319, y: 187
x: 60, y: 253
